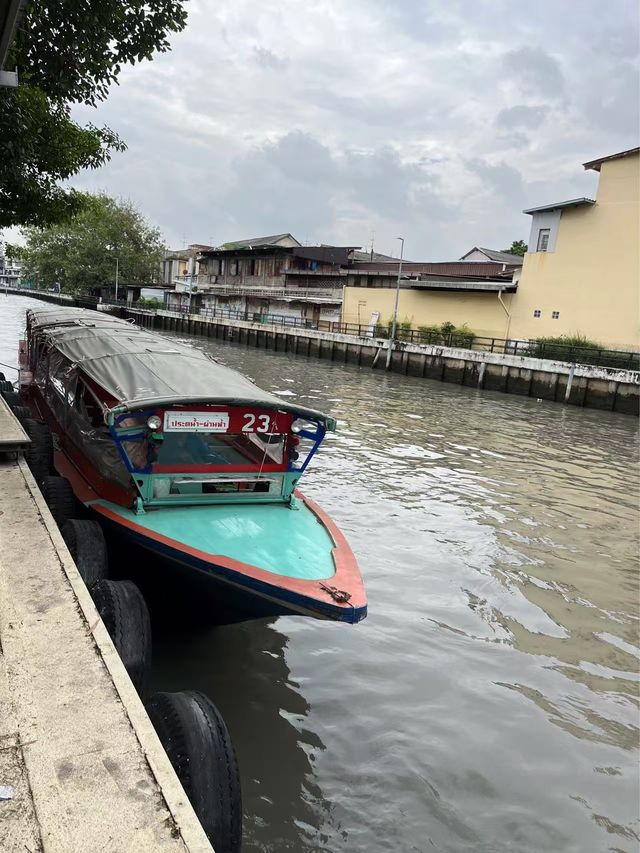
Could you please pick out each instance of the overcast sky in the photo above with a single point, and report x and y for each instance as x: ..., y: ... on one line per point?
x: 333, y: 119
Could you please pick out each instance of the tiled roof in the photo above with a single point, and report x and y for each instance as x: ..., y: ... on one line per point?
x: 502, y: 257
x: 255, y: 242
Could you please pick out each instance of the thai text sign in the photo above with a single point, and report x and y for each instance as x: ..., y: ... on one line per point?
x: 196, y: 421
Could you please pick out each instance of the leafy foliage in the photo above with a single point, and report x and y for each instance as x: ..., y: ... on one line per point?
x: 42, y: 147
x: 448, y: 334
x: 579, y: 349
x: 561, y: 347
x: 80, y: 253
x: 518, y: 247
x: 68, y: 51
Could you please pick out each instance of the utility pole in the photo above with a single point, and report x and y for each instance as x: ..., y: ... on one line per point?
x: 394, y: 322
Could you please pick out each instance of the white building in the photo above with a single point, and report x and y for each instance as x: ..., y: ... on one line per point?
x: 9, y: 271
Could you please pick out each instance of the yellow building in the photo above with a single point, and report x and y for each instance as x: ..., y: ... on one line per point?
x: 581, y: 274
x: 582, y: 271
x: 422, y: 305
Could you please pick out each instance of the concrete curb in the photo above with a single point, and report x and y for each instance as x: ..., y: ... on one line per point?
x: 186, y: 823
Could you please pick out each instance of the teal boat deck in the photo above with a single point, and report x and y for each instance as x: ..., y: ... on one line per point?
x: 287, y: 542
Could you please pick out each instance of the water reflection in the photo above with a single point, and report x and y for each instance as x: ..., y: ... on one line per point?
x: 243, y: 669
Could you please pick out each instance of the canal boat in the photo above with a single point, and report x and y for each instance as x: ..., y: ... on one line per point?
x: 178, y: 454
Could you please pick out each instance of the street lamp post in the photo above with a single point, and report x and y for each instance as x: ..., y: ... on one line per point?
x: 117, y: 262
x: 394, y: 321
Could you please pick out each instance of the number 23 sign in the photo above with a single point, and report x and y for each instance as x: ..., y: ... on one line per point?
x: 230, y: 420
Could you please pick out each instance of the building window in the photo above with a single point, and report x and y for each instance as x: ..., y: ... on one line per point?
x: 543, y: 239
x: 555, y: 315
x: 537, y: 313
x: 233, y: 268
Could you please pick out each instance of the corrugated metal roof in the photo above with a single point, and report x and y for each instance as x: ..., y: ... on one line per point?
x: 456, y: 268
x: 572, y: 202
x: 378, y: 257
x: 595, y: 164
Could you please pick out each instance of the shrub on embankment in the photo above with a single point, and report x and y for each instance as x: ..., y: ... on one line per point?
x: 447, y: 334
x: 581, y: 350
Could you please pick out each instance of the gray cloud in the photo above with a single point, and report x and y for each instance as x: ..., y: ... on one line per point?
x: 522, y: 116
x: 267, y: 59
x: 500, y: 178
x: 436, y: 121
x: 538, y: 73
x: 616, y: 106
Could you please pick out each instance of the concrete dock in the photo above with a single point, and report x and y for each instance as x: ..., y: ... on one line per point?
x: 81, y: 768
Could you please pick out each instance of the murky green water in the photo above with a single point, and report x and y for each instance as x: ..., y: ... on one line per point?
x: 490, y: 700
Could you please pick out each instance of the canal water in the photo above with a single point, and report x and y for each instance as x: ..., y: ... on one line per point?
x: 489, y: 702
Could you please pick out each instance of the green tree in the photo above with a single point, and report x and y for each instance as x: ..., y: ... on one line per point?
x: 80, y: 253
x: 518, y: 247
x: 68, y: 51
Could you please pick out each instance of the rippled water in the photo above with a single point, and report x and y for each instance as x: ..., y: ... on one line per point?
x: 490, y: 700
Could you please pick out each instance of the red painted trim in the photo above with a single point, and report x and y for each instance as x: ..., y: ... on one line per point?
x: 98, y: 390
x: 347, y: 572
x: 346, y: 577
x: 281, y: 421
x: 217, y: 469
x: 82, y: 489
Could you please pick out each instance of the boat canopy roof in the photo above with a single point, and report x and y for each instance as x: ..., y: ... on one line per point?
x: 141, y: 369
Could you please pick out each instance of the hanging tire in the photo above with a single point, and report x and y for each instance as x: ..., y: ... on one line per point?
x: 39, y: 454
x: 12, y: 398
x: 86, y: 543
x: 126, y: 617
x: 5, y: 386
x: 197, y: 742
x: 60, y: 499
x: 21, y: 412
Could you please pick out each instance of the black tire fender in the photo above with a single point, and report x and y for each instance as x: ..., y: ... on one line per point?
x: 12, y: 397
x: 197, y: 742
x: 59, y: 497
x: 39, y: 454
x: 124, y: 612
x: 86, y: 543
x: 21, y: 412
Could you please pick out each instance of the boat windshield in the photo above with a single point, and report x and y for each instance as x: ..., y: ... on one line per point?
x: 199, y: 450
x: 217, y: 449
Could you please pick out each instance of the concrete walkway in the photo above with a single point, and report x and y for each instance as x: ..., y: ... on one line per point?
x: 81, y: 768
